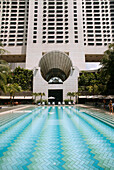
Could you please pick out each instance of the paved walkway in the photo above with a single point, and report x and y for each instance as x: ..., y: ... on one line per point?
x: 6, y: 109
x: 7, y: 113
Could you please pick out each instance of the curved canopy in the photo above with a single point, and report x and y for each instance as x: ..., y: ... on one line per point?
x: 55, y: 64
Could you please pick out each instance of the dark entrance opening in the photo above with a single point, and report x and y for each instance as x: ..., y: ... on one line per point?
x: 57, y: 94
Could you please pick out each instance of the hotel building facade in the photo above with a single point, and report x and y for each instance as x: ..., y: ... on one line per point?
x: 56, y: 38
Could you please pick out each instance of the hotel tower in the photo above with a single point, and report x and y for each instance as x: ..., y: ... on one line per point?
x: 55, y: 38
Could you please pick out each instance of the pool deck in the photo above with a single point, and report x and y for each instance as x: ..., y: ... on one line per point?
x: 9, y: 109
x: 98, y: 113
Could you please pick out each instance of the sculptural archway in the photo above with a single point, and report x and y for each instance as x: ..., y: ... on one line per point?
x: 55, y: 64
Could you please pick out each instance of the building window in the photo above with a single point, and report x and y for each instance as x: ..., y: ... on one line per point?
x: 34, y: 41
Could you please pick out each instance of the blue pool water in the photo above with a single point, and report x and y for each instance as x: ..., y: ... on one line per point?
x: 51, y: 138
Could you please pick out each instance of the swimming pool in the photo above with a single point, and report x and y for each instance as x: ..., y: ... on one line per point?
x: 47, y: 138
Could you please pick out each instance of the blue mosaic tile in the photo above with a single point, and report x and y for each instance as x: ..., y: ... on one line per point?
x: 56, y: 138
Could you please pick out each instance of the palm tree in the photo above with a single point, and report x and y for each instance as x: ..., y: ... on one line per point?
x: 35, y: 94
x: 12, y: 89
x: 70, y: 94
x: 4, y: 70
x: 76, y: 94
x: 41, y: 95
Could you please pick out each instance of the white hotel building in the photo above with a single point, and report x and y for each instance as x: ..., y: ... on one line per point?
x: 55, y: 38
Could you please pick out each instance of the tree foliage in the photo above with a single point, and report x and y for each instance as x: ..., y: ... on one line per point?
x: 12, y: 89
x: 70, y: 94
x: 41, y: 95
x: 102, y: 81
x: 3, y: 82
x: 35, y: 95
x: 4, y: 70
x: 23, y: 77
x: 93, y: 83
x: 107, y: 69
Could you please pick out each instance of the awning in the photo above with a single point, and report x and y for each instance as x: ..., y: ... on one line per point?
x: 16, y: 97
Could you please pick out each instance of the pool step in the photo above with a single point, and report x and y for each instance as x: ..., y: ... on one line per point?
x: 104, y: 117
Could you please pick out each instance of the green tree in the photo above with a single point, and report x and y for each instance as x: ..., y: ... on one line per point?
x: 92, y: 83
x: 86, y: 78
x: 90, y: 89
x: 4, y: 70
x: 12, y: 89
x: 76, y: 94
x: 41, y: 95
x: 107, y: 69
x: 86, y: 82
x: 96, y: 89
x: 23, y: 77
x: 70, y: 94
x: 35, y: 95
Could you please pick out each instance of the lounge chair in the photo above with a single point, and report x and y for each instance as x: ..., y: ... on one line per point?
x: 49, y: 103
x: 43, y: 103
x: 53, y: 103
x: 69, y: 103
x: 59, y: 103
x: 63, y: 103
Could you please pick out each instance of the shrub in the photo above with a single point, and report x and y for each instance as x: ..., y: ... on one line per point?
x: 68, y: 100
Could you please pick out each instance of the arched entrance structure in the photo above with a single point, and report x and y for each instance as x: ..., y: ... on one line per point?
x: 55, y: 64
x: 55, y: 67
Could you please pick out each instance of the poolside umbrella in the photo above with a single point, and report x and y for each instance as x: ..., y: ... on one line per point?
x: 51, y: 97
x: 109, y: 97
